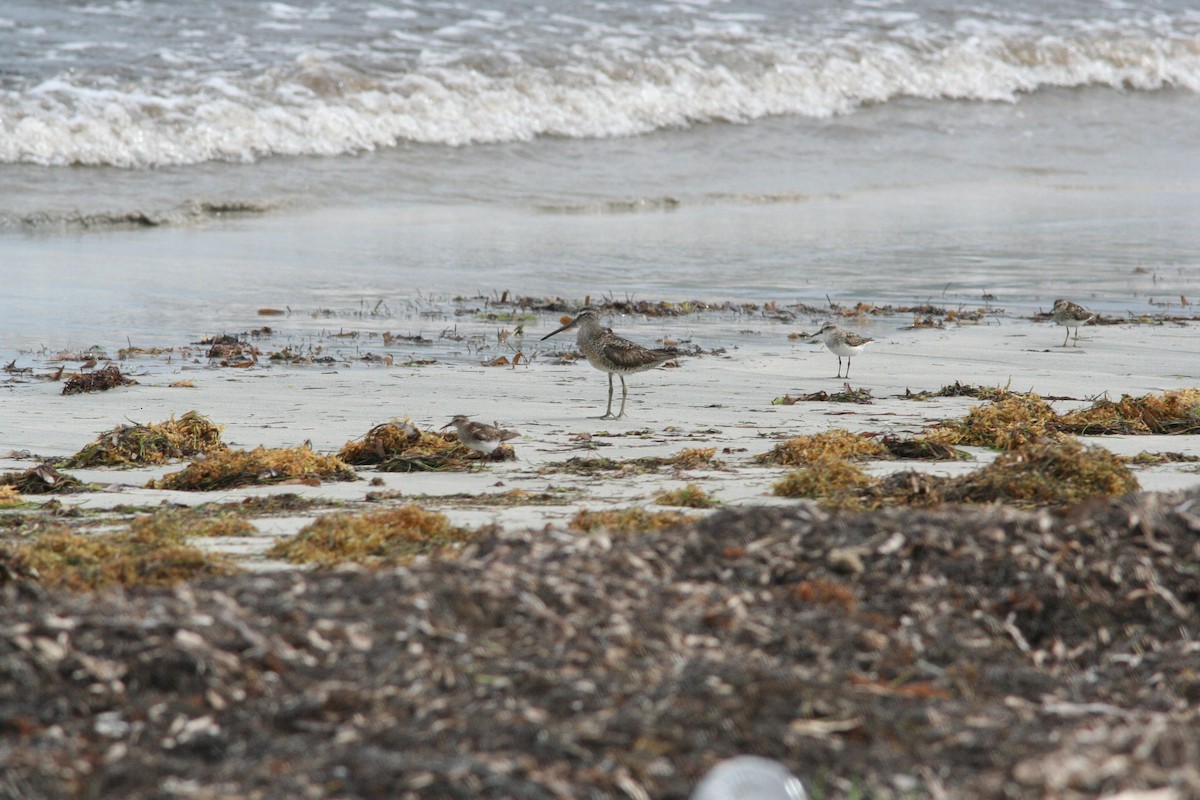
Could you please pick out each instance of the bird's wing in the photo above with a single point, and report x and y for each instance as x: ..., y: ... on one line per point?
x: 625, y: 354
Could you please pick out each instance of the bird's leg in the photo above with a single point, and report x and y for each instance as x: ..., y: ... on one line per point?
x: 839, y: 366
x: 847, y: 366
x: 608, y: 411
x: 1076, y: 340
x: 1068, y: 336
x: 624, y: 394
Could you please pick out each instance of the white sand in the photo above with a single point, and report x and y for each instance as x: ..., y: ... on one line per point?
x: 721, y: 401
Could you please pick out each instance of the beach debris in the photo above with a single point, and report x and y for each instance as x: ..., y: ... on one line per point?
x: 1172, y: 412
x: 838, y: 442
x: 825, y: 475
x: 231, y: 351
x: 152, y: 551
x: 153, y: 443
x: 1009, y: 422
x: 920, y: 448
x: 393, y: 536
x: 686, y: 459
x: 1013, y: 420
x: 1048, y: 472
x: 382, y: 442
x: 403, y: 447
x: 1061, y: 645
x: 9, y: 496
x: 958, y: 389
x: 689, y: 496
x: 628, y: 520
x: 228, y: 469
x: 861, y: 396
x: 749, y: 778
x: 42, y: 479
x: 1145, y: 458
x: 98, y: 381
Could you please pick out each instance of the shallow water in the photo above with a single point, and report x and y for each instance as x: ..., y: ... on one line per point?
x: 754, y: 151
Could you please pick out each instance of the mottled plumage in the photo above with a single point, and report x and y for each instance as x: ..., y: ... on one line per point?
x: 610, y: 353
x: 1070, y: 315
x: 842, y: 342
x: 482, y: 438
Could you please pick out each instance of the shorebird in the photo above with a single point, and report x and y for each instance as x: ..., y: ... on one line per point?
x: 1070, y: 315
x: 483, y: 439
x: 842, y: 342
x: 610, y: 353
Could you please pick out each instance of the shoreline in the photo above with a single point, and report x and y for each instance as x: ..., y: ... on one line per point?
x: 721, y: 398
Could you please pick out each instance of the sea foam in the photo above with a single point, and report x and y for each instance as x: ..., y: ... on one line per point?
x: 621, y: 83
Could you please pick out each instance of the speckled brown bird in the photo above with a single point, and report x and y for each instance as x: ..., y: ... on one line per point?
x: 480, y: 437
x: 612, y: 354
x: 1070, y: 315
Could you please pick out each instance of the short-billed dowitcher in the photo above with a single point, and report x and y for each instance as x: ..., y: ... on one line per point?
x: 610, y: 353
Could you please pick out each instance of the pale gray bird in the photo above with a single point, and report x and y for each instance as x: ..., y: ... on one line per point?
x: 842, y: 342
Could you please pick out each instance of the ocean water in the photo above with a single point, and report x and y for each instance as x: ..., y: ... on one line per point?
x: 168, y: 166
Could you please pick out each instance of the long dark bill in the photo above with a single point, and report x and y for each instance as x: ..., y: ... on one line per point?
x: 570, y: 324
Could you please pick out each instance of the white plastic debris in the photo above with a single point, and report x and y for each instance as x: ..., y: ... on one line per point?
x: 749, y: 778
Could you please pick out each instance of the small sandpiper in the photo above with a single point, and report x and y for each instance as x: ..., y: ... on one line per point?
x: 1070, y: 315
x: 482, y: 438
x: 842, y: 342
x: 610, y: 353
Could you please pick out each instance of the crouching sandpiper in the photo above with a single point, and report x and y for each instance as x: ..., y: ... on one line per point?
x: 480, y: 437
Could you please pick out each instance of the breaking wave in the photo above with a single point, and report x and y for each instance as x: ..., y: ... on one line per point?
x: 329, y: 103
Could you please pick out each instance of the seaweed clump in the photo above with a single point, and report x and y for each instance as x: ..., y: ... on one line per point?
x: 261, y: 466
x: 403, y: 447
x: 98, y: 381
x: 9, y: 496
x: 42, y: 479
x: 689, y: 496
x: 394, y: 536
x: 687, y: 458
x: 837, y: 443
x: 827, y: 475
x: 861, y: 396
x: 152, y: 551
x: 1007, y: 423
x: 1016, y: 420
x: 628, y: 520
x: 1173, y: 412
x: 1045, y: 473
x: 155, y: 443
x: 1048, y: 472
x: 958, y: 389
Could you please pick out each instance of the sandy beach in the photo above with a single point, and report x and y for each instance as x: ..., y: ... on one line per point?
x: 721, y: 397
x: 875, y: 654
